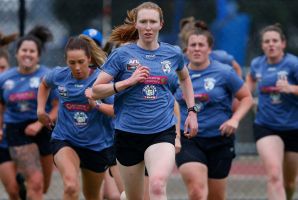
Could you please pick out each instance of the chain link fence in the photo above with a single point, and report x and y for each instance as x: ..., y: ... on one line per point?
x: 246, y: 181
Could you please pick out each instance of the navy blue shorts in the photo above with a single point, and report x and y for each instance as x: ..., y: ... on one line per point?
x: 15, y: 133
x: 4, y: 155
x: 96, y: 161
x: 290, y: 138
x: 216, y: 153
x: 131, y: 147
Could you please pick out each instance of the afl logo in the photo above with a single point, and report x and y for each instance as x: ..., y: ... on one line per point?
x: 132, y: 65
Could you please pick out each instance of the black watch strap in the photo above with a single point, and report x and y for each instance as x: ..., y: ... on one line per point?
x: 194, y: 109
x: 191, y: 109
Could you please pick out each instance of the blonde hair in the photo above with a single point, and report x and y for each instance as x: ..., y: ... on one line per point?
x: 127, y: 32
x: 98, y: 56
x: 87, y: 44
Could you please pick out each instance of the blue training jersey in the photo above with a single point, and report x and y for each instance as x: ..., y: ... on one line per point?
x: 214, y: 89
x: 276, y: 110
x: 222, y: 56
x: 18, y: 93
x: 77, y: 122
x: 146, y: 107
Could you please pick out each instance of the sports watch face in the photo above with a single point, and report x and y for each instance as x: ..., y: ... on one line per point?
x: 197, y: 108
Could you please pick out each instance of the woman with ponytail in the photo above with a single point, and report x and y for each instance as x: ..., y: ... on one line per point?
x: 144, y: 123
x: 204, y: 161
x: 28, y: 139
x: 220, y: 55
x: 82, y: 138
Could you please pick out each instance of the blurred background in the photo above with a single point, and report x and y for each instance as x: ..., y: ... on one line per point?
x: 235, y: 25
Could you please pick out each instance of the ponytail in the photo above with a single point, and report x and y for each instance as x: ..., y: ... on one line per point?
x: 127, y: 31
x: 98, y: 56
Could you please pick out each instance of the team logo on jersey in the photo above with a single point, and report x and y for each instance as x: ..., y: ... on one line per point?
x: 9, y: 84
x: 275, y: 97
x: 62, y: 91
x: 24, y: 106
x: 132, y: 65
x: 209, y: 83
x: 34, y: 82
x: 258, y: 77
x: 80, y: 119
x: 150, y: 92
x: 166, y: 66
x: 282, y: 75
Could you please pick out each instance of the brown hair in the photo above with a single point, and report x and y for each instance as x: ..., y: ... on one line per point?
x: 185, y: 25
x: 127, y: 31
x: 276, y: 28
x: 4, y: 53
x: 90, y: 48
x: 4, y: 41
x: 190, y: 26
x: 39, y: 35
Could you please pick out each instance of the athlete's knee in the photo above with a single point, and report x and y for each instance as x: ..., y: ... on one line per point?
x: 71, y: 186
x: 274, y: 175
x: 157, y: 185
x: 35, y: 182
x: 197, y: 191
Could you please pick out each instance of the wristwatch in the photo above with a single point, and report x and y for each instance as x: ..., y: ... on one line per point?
x: 97, y: 103
x: 195, y: 108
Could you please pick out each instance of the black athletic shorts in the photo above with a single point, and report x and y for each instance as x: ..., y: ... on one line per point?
x: 15, y: 133
x: 290, y: 137
x: 131, y: 147
x: 216, y: 153
x: 96, y: 161
x: 4, y: 155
